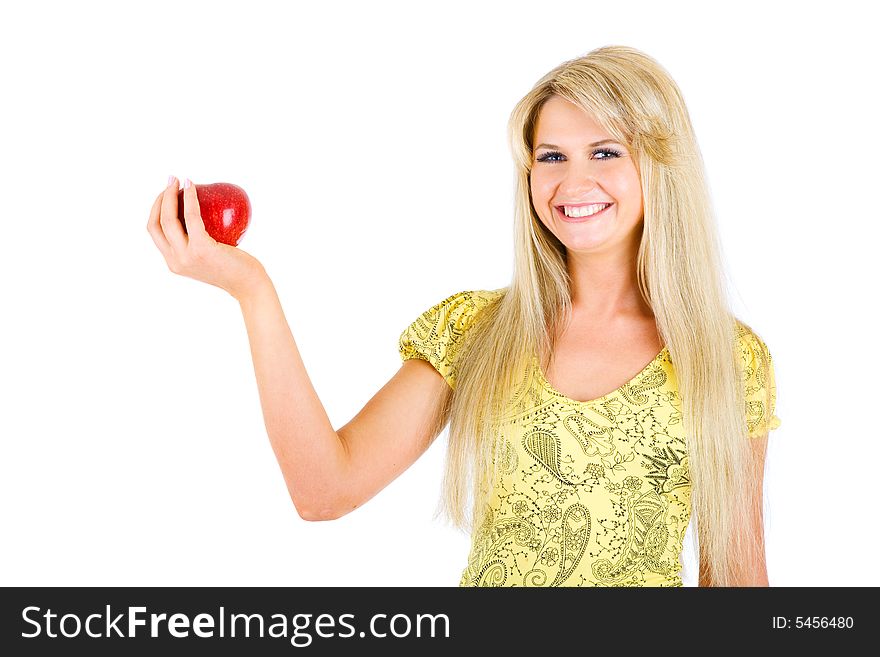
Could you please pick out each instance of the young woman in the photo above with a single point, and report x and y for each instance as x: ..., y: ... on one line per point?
x: 598, y: 404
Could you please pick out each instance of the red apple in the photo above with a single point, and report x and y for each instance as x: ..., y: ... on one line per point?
x: 225, y: 209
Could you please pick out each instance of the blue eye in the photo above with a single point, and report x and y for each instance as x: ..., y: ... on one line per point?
x: 610, y: 151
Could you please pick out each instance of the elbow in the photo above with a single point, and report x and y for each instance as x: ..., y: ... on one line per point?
x: 317, y: 513
x: 313, y: 505
x: 321, y: 504
x: 315, y: 516
x: 318, y: 510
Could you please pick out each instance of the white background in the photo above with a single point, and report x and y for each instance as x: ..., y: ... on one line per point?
x: 371, y: 139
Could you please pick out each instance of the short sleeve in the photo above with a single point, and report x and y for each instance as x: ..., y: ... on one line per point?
x: 436, y: 335
x: 759, y: 382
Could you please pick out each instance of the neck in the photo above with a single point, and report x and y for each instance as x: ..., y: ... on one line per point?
x: 605, y: 286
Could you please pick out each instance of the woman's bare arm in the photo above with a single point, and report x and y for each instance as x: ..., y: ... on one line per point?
x: 759, y: 575
x: 330, y: 473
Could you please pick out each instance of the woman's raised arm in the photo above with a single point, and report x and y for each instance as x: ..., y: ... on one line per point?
x: 330, y: 473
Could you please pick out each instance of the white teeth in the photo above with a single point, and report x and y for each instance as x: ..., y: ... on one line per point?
x: 585, y: 211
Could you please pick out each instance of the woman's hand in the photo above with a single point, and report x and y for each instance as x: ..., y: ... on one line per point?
x: 196, y: 254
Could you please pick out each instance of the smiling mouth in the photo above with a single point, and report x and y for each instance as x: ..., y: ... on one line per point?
x: 575, y: 220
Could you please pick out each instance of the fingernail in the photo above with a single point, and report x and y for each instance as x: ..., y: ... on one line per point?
x: 186, y: 183
x: 170, y: 180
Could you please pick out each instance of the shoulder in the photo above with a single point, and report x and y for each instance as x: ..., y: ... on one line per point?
x: 460, y: 308
x: 753, y: 350
x: 759, y: 381
x: 471, y: 299
x: 437, y: 333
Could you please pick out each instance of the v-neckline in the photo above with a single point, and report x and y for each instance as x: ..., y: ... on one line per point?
x: 543, y: 379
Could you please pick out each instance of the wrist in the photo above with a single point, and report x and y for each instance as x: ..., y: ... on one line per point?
x: 253, y: 286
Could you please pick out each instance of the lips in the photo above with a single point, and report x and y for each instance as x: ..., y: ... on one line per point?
x: 577, y: 220
x: 580, y: 205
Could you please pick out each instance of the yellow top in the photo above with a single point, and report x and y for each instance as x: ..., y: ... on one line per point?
x: 592, y: 493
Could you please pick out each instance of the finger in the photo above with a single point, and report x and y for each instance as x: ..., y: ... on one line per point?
x: 171, y: 225
x: 192, y: 213
x: 155, y: 229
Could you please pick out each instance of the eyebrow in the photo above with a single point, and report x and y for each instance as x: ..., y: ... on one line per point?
x: 595, y: 143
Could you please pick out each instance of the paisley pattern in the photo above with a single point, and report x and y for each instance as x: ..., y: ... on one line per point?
x: 591, y: 493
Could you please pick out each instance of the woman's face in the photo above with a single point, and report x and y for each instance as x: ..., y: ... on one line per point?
x: 568, y: 168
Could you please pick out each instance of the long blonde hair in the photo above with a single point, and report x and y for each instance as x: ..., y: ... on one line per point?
x: 680, y: 277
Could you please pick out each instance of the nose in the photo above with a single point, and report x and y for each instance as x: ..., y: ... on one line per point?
x: 581, y: 170
x: 578, y: 182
